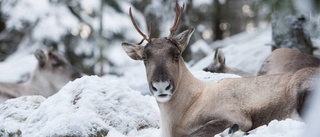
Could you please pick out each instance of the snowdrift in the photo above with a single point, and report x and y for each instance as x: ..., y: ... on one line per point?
x: 89, y: 106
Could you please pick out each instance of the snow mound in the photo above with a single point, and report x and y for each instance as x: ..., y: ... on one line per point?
x: 283, y: 128
x: 216, y: 77
x: 91, y: 106
x: 14, y: 112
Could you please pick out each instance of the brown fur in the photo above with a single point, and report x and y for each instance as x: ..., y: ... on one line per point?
x: 286, y: 60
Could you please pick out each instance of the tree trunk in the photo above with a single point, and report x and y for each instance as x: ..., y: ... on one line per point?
x: 290, y: 33
x: 218, y: 33
x: 101, y: 41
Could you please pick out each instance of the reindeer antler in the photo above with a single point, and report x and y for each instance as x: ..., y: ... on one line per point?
x: 145, y: 37
x: 179, y: 11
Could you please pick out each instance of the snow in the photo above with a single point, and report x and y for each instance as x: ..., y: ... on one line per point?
x: 198, y: 3
x: 88, y: 105
x: 313, y: 113
x: 14, y: 112
x: 54, y: 19
x: 12, y: 71
x: 215, y: 77
x: 284, y: 128
x: 243, y: 51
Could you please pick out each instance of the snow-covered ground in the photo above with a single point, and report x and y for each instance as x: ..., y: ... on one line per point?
x: 244, y: 51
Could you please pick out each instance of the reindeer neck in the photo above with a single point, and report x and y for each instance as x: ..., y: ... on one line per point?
x: 11, y: 90
x: 40, y: 85
x: 187, y: 91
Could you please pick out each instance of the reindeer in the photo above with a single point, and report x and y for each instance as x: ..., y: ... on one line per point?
x: 52, y: 73
x: 285, y: 60
x: 194, y: 108
x: 218, y: 65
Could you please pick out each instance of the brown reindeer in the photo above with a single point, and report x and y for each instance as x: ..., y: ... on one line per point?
x: 194, y: 108
x: 218, y: 65
x: 52, y: 73
x: 285, y: 60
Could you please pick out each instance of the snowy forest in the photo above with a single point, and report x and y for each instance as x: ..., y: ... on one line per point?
x: 89, y: 33
x: 112, y: 97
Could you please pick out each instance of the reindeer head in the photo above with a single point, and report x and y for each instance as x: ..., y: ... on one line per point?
x: 54, y: 68
x: 161, y: 57
x: 218, y: 64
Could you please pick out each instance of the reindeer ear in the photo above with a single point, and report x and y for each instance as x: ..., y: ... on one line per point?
x: 41, y: 57
x: 219, y: 57
x: 133, y: 51
x: 183, y: 39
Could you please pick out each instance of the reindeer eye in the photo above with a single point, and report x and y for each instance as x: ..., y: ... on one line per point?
x: 177, y: 55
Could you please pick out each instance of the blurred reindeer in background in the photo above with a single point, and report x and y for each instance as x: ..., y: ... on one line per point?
x: 51, y: 74
x: 284, y: 60
x: 218, y: 65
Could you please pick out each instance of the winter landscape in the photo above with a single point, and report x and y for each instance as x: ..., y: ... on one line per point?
x: 117, y: 103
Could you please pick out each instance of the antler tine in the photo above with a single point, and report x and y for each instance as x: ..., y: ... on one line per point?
x: 177, y: 19
x: 150, y: 32
x: 145, y: 37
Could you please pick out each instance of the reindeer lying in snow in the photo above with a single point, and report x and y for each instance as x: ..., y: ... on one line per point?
x: 218, y: 65
x: 52, y: 73
x: 285, y: 60
x: 194, y: 108
x: 282, y: 60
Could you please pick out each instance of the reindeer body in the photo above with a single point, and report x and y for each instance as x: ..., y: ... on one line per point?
x: 284, y: 60
x: 201, y: 108
x: 51, y: 74
x: 194, y: 108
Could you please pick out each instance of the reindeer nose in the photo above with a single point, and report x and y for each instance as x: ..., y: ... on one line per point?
x: 161, y: 86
